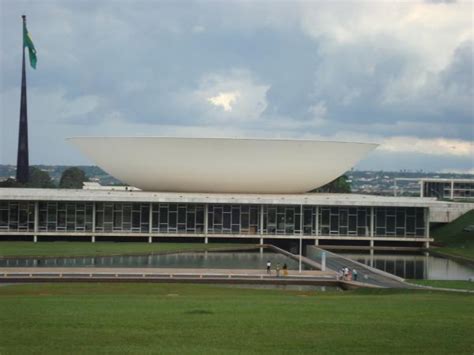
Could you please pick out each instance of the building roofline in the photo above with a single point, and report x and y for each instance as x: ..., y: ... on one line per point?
x: 321, y: 199
x: 434, y: 179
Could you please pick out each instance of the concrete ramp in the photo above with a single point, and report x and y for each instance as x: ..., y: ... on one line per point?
x: 366, y: 274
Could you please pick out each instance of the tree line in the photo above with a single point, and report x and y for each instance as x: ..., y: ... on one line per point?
x: 71, y: 178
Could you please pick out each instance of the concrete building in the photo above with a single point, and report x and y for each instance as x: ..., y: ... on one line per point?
x: 445, y: 189
x: 320, y: 218
x: 254, y: 190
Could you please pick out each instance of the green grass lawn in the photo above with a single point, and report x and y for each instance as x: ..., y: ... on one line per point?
x: 454, y: 239
x: 203, y: 319
x: 100, y: 248
x: 463, y: 285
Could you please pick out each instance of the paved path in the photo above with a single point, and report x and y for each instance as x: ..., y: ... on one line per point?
x: 167, y: 271
x: 212, y: 276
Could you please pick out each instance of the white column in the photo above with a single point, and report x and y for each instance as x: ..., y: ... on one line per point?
x: 372, y: 220
x: 150, y: 224
x: 261, y: 229
x: 93, y: 223
x: 301, y: 237
x: 372, y: 225
x: 301, y: 220
x: 206, y: 223
x: 427, y: 226
x: 422, y: 188
x: 372, y: 243
x: 452, y: 189
x: 395, y: 187
x: 93, y: 217
x: 299, y: 261
x: 316, y: 225
x: 35, y: 237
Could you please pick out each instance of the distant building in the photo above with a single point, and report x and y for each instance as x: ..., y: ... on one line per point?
x: 92, y: 185
x: 445, y: 189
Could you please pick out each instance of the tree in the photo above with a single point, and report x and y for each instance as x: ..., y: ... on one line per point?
x: 72, y: 178
x: 10, y: 182
x: 39, y: 179
x: 339, y: 185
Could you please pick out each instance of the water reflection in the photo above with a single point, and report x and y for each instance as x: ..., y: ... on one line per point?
x: 415, y: 266
x: 211, y: 260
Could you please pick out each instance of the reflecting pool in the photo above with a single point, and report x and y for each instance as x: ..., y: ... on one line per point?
x: 414, y: 266
x: 206, y: 260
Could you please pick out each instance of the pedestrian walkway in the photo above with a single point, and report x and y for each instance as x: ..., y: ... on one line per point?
x: 366, y: 274
x: 213, y: 276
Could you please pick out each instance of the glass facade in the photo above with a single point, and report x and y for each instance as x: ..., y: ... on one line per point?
x: 17, y: 216
x: 122, y: 217
x: 282, y: 220
x: 190, y: 218
x: 344, y: 221
x: 177, y: 218
x: 65, y: 216
x: 405, y: 221
x: 463, y: 190
x: 448, y: 190
x: 233, y: 219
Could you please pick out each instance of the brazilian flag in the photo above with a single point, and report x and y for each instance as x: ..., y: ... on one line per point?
x: 28, y: 43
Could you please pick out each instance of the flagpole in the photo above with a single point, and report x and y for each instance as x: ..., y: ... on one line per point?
x: 22, y: 170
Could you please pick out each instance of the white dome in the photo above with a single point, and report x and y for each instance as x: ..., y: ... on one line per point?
x: 222, y: 164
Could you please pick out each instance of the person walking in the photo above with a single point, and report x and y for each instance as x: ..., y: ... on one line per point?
x: 285, y: 270
x: 354, y: 274
x: 345, y: 272
x: 269, y: 267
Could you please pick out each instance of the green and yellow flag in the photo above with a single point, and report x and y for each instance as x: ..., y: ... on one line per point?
x: 27, y: 42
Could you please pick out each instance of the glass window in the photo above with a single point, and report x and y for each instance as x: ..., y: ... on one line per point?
x: 253, y: 216
x: 290, y: 215
x: 324, y: 216
x: 3, y: 218
x: 235, y: 215
x: 163, y: 215
x: 334, y: 226
x: 117, y: 219
x: 182, y: 214
x: 307, y: 216
x: 191, y: 220
x: 173, y: 218
x: 245, y: 221
x: 217, y: 215
x: 135, y: 219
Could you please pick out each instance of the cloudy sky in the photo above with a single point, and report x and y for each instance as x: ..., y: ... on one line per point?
x: 396, y: 73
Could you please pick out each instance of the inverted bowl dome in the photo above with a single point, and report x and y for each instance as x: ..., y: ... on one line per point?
x: 222, y: 164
